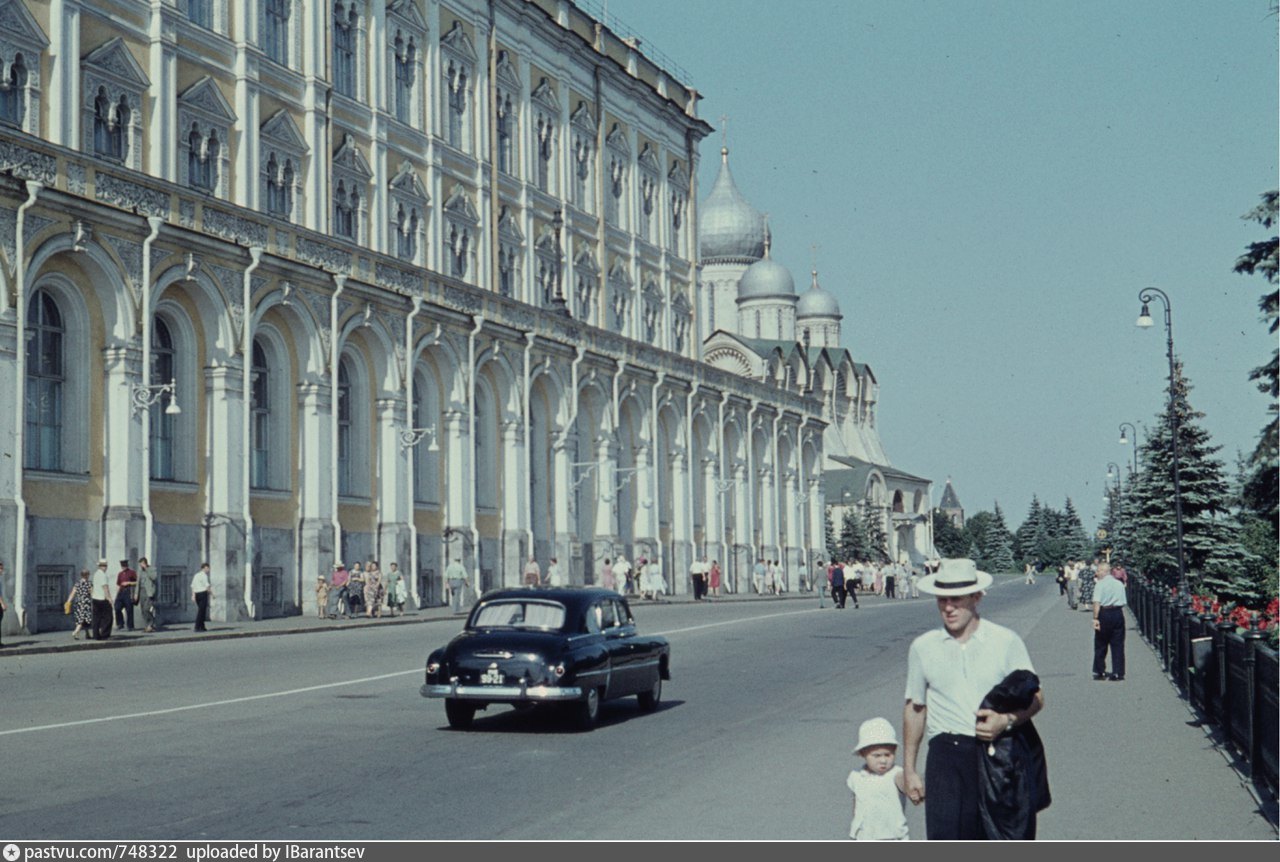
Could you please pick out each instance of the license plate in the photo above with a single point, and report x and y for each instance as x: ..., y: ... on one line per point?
x: 492, y: 676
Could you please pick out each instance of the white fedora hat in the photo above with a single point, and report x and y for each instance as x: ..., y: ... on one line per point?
x: 956, y: 578
x: 875, y: 731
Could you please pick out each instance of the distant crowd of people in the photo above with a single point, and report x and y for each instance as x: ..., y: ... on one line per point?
x: 361, y: 590
x: 844, y: 580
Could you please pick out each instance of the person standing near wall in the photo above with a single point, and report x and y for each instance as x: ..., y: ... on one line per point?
x: 101, y: 602
x: 201, y: 594
x: 148, y: 593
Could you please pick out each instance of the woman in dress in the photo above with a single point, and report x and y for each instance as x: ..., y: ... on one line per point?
x: 715, y: 578
x: 396, y: 593
x: 607, y: 579
x: 355, y: 590
x: 81, y: 599
x: 374, y: 591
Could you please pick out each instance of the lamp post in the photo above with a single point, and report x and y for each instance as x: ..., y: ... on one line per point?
x: 1124, y: 441
x: 1144, y: 322
x: 144, y: 396
x: 1113, y: 472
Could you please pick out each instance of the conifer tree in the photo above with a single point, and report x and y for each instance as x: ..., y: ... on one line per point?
x: 947, y: 539
x: 828, y: 535
x: 1211, y: 545
x: 1028, y: 537
x: 1076, y: 542
x: 999, y: 556
x: 853, y: 537
x: 877, y: 539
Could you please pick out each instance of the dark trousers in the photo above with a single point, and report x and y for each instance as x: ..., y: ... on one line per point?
x: 101, y: 621
x: 1110, y: 634
x: 851, y: 588
x: 951, y: 788
x: 124, y: 605
x: 202, y: 610
x: 837, y: 595
x: 888, y: 588
x: 699, y: 587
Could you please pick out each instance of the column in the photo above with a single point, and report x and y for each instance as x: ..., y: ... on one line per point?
x: 245, y: 173
x: 123, y: 523
x: 515, y: 518
x: 63, y: 95
x: 11, y: 391
x: 162, y: 155
x: 793, y: 508
x: 683, y: 552
x: 645, y: 510
x: 713, y: 519
x: 606, y: 484
x: 224, y: 514
x: 392, y: 496
x: 767, y: 516
x: 562, y: 514
x: 741, y: 549
x: 315, y: 535
x: 458, y: 491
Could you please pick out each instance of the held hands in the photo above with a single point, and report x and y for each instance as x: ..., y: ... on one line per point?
x: 991, y: 724
x: 914, y: 786
x: 1097, y: 626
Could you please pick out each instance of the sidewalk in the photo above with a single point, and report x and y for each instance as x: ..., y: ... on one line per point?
x: 1128, y: 759
x: 61, y: 641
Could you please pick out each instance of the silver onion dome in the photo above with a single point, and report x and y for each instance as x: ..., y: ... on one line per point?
x: 816, y: 302
x: 729, y: 229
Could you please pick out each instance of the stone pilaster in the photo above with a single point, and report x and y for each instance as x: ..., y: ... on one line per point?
x: 224, y: 481
x: 124, y: 527
x: 514, y: 504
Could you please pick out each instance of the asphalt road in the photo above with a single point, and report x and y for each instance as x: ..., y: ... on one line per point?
x: 324, y: 736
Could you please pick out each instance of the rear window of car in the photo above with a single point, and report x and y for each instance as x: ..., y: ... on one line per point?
x: 520, y: 614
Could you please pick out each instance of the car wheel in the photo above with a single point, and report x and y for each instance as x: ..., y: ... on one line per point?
x: 649, y: 699
x: 459, y: 712
x: 587, y: 710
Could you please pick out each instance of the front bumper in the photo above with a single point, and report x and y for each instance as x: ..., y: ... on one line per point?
x: 503, y: 693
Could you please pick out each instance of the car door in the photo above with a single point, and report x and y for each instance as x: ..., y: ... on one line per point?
x: 618, y: 633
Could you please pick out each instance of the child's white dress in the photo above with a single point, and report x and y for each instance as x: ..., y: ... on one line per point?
x: 879, y: 814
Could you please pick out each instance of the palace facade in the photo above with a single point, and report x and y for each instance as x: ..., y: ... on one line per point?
x: 287, y: 283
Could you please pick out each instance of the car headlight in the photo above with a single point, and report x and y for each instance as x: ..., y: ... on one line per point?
x: 433, y: 666
x: 558, y: 670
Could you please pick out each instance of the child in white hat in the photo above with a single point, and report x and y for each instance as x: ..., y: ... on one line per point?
x: 879, y: 812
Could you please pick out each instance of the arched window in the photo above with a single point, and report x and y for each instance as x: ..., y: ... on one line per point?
x: 406, y: 54
x: 506, y: 123
x: 102, y: 124
x: 45, y: 383
x: 345, y: 22
x: 344, y: 429
x: 275, y: 30
x: 457, y: 113
x: 163, y: 425
x: 11, y: 93
x: 260, y: 421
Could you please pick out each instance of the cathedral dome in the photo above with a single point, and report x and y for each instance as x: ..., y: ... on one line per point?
x: 729, y: 228
x: 766, y: 278
x: 817, y: 302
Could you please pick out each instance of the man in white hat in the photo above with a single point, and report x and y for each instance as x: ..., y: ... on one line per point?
x: 949, y: 671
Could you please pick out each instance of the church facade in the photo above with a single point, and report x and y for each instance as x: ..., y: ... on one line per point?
x: 754, y: 324
x: 286, y: 284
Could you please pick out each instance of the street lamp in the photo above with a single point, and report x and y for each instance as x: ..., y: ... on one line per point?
x: 411, y: 437
x: 1144, y: 322
x: 1113, y: 472
x: 145, y: 396
x: 1124, y: 441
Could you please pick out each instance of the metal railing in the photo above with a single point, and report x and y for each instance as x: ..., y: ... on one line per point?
x: 1229, y: 677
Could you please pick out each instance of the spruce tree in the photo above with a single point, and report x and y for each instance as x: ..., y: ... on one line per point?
x: 877, y: 539
x: 999, y: 556
x: 1076, y: 542
x: 948, y: 541
x: 829, y: 535
x: 853, y: 538
x: 1211, y: 545
x: 1026, y: 547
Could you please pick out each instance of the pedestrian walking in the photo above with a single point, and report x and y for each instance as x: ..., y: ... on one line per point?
x: 355, y: 590
x: 607, y: 579
x: 622, y: 574
x: 1073, y: 584
x: 879, y: 808
x: 698, y: 578
x: 820, y: 574
x: 853, y: 575
x: 757, y: 577
x: 148, y: 594
x: 1108, y: 625
x: 375, y: 593
x: 456, y: 576
x: 202, y: 594
x: 1087, y: 580
x: 339, y: 585
x: 1030, y: 571
x: 532, y: 573
x: 397, y: 590
x: 101, y: 602
x: 949, y: 672
x: 836, y: 582
x: 126, y: 595
x: 891, y: 582
x: 555, y: 577
x: 81, y: 602
x: 716, y: 576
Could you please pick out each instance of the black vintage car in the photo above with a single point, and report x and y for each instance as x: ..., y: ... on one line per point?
x: 571, y: 646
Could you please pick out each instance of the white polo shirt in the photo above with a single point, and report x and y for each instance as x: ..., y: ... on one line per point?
x: 951, y: 678
x: 200, y: 581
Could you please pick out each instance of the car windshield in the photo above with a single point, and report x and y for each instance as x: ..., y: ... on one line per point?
x: 519, y: 614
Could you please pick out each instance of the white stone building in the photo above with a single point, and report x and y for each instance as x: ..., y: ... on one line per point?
x: 421, y: 277
x: 753, y: 324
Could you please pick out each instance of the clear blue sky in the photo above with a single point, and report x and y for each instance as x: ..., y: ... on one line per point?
x: 990, y: 185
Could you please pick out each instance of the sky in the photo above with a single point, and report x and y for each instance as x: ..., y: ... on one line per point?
x: 989, y: 185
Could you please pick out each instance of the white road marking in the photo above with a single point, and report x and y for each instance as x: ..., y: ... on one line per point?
x: 209, y: 704
x: 311, y: 688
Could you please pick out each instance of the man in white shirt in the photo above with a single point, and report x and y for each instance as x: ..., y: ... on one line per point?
x: 102, y: 614
x: 456, y: 576
x: 949, y: 672
x: 201, y: 592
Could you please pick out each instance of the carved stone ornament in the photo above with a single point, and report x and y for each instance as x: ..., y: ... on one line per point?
x: 28, y: 164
